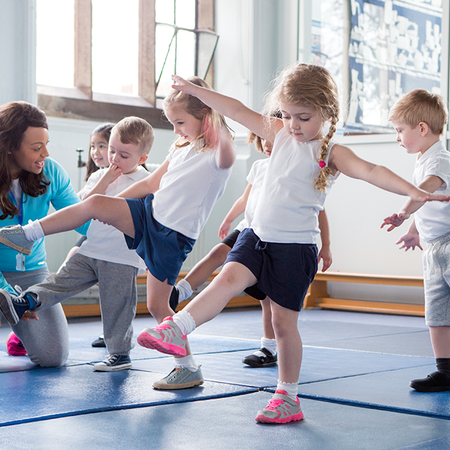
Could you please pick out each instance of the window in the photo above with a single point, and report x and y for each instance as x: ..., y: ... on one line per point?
x: 112, y: 58
x: 378, y: 50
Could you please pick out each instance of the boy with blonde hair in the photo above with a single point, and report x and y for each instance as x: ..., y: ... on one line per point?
x: 104, y: 258
x: 419, y: 119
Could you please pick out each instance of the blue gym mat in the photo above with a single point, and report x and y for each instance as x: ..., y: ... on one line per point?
x: 48, y: 393
x: 228, y: 423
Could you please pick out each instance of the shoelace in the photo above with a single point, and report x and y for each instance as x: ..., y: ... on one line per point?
x: 275, y: 403
x: 21, y: 297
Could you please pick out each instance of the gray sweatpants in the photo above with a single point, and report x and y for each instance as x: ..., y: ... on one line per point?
x: 117, y: 292
x: 46, y: 339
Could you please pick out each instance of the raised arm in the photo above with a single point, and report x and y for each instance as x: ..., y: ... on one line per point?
x: 226, y: 154
x: 344, y: 160
x: 234, y: 212
x: 146, y: 186
x: 231, y: 108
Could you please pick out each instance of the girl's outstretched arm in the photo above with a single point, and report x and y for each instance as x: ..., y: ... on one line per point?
x: 231, y: 108
x: 344, y: 160
x: 146, y: 186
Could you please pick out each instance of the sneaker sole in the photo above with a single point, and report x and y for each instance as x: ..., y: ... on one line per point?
x: 257, y: 366
x: 171, y: 387
x: 105, y: 368
x: 18, y: 248
x: 148, y: 341
x: 7, y: 309
x: 430, y: 389
x: 261, y: 418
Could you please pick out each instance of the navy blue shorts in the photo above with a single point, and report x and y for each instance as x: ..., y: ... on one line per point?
x: 163, y: 249
x: 284, y: 271
x: 253, y: 291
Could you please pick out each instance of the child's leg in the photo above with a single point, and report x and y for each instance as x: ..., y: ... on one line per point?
x: 110, y: 210
x: 266, y: 356
x: 440, y: 340
x: 118, y: 299
x: 231, y: 281
x: 200, y: 273
x: 290, y: 348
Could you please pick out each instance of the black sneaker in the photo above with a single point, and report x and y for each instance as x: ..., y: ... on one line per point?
x: 13, y: 307
x: 113, y: 363
x: 261, y: 361
x: 99, y: 342
x: 174, y: 296
x: 435, y: 382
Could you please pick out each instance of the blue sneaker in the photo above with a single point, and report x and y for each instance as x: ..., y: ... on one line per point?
x: 14, y: 237
x: 13, y: 307
x: 113, y: 363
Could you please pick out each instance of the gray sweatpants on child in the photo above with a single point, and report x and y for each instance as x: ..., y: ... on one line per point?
x: 46, y: 339
x: 117, y: 292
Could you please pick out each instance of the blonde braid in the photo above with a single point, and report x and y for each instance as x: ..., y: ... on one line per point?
x: 321, y: 182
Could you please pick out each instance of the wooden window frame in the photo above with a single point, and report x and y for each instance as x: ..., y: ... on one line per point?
x: 80, y: 102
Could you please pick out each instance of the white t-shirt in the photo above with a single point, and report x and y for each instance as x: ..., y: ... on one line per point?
x: 189, y: 189
x: 288, y: 205
x: 433, y: 218
x: 105, y: 242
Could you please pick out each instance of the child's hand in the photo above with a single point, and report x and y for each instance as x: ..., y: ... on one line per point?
x: 112, y: 173
x: 424, y: 196
x: 224, y: 229
x: 409, y: 240
x: 182, y: 85
x: 29, y: 315
x: 325, y: 256
x: 395, y: 220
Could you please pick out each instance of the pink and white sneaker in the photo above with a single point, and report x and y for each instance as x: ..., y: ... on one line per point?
x: 166, y: 338
x: 14, y: 346
x: 281, y: 409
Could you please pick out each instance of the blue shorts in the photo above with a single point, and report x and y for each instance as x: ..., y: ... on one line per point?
x: 253, y: 291
x: 163, y: 250
x: 284, y: 271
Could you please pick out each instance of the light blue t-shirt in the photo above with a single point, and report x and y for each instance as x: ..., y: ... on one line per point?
x: 60, y: 194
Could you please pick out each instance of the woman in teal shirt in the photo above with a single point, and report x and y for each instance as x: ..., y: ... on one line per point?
x: 29, y: 183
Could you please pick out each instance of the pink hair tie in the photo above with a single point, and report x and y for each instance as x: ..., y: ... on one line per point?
x: 322, y: 164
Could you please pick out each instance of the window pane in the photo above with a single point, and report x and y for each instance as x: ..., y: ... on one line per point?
x: 185, y: 13
x: 115, y: 45
x: 168, y: 70
x: 185, y: 65
x: 165, y: 11
x: 55, y: 18
x: 206, y: 46
x: 164, y: 35
x: 377, y: 51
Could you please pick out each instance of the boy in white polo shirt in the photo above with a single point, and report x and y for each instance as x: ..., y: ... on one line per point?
x: 419, y: 119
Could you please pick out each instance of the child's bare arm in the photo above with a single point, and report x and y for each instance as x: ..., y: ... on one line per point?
x: 225, y: 154
x: 231, y: 108
x: 325, y: 251
x: 110, y: 175
x: 146, y: 186
x: 234, y: 212
x: 345, y: 161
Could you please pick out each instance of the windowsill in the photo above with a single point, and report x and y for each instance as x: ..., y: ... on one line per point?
x: 74, y: 104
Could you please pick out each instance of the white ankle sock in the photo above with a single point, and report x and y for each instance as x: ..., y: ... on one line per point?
x: 185, y: 290
x: 269, y: 344
x: 290, y: 388
x: 33, y: 230
x: 184, y: 321
x: 187, y: 362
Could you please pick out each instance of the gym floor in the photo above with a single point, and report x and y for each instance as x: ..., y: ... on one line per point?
x: 353, y: 386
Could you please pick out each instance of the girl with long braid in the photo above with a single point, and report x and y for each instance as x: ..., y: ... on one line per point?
x: 279, y: 253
